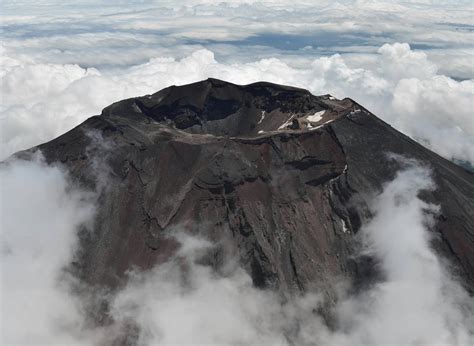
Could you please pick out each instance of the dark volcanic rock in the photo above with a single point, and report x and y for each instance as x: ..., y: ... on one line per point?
x: 271, y: 168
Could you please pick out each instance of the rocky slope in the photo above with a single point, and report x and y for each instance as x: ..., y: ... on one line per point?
x: 276, y: 174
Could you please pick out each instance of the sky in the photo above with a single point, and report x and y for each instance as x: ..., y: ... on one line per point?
x: 409, y: 62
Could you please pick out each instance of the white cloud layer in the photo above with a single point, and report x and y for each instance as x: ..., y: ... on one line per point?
x: 400, y: 85
x: 144, y: 28
x: 139, y: 47
x: 40, y: 213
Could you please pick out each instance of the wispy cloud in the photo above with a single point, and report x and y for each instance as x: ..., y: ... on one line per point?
x: 415, y: 301
x: 41, y: 213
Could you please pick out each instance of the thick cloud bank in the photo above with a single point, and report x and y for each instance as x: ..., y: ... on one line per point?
x: 40, y: 213
x: 62, y: 62
x: 41, y: 101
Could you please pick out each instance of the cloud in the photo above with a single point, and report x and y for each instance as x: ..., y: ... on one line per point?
x: 61, y: 66
x: 398, y: 84
x: 398, y: 62
x: 101, y: 34
x: 40, y: 215
x: 437, y: 112
x: 416, y: 302
x: 184, y: 300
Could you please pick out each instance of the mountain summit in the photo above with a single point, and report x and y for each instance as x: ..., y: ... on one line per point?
x: 281, y: 175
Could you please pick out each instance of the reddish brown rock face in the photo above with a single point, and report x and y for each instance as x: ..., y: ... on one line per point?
x: 269, y: 171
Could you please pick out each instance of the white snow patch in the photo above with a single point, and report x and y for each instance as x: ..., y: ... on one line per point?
x: 332, y: 98
x: 286, y: 123
x: 261, y: 131
x: 262, y: 117
x: 316, y: 116
x: 321, y: 125
x: 344, y: 226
